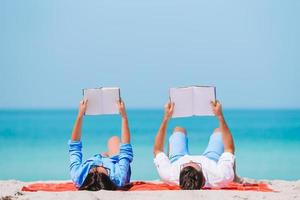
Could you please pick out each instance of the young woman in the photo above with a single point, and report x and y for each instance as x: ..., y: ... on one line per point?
x: 106, y: 171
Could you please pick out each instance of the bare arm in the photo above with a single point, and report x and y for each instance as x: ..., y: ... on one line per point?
x: 161, y: 134
x: 125, y: 137
x: 76, y: 133
x: 226, y: 134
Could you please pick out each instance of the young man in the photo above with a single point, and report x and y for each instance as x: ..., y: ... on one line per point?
x: 215, y: 167
x: 107, y: 171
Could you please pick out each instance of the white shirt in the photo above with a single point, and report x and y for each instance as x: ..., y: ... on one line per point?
x: 216, y: 174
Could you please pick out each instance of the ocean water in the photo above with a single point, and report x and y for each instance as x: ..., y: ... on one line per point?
x: 33, y: 143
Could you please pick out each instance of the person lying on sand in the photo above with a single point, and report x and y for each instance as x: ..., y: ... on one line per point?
x: 105, y: 171
x: 214, y: 168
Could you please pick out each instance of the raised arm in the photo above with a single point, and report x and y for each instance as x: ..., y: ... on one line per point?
x: 226, y: 134
x: 75, y: 145
x: 125, y: 137
x: 76, y: 133
x: 161, y: 134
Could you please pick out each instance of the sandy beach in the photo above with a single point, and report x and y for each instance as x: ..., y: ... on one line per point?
x: 11, y: 189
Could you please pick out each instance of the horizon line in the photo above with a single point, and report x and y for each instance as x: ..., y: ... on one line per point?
x: 146, y: 108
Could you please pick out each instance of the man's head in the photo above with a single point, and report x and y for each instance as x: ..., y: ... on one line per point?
x: 97, y: 181
x: 191, y: 177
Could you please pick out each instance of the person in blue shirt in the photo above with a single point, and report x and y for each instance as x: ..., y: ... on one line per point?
x: 105, y: 171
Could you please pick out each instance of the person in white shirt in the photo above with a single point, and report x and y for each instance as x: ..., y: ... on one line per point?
x: 214, y: 168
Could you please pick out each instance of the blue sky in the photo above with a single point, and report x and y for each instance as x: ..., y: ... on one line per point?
x: 50, y: 50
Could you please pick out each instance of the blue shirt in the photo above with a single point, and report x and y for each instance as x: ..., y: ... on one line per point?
x: 119, y: 165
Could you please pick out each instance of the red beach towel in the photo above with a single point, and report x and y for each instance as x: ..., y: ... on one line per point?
x: 144, y: 186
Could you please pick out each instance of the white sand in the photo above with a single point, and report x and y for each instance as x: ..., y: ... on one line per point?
x: 11, y: 189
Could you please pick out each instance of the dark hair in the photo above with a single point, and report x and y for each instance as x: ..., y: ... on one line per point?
x: 97, y: 181
x: 191, y: 179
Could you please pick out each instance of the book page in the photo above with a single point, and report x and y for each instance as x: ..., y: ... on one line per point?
x: 183, y: 99
x: 203, y: 95
x: 94, y: 98
x: 110, y: 96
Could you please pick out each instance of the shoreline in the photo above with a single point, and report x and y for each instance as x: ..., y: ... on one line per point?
x: 11, y: 189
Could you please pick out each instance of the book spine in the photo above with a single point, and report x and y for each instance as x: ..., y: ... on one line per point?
x: 215, y: 90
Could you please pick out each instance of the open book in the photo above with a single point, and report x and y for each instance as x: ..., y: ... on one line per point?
x: 193, y: 100
x: 102, y: 101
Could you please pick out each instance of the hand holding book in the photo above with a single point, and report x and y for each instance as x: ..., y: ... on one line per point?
x: 82, y: 107
x: 122, y: 109
x: 217, y: 108
x: 169, y: 108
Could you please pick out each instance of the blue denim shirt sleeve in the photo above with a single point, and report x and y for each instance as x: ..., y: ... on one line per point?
x: 125, y: 158
x: 75, y: 156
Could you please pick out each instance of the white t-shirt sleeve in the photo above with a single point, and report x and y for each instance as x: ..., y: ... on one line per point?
x: 163, y: 166
x: 225, y: 168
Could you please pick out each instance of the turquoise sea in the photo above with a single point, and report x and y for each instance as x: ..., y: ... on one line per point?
x: 33, y: 143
